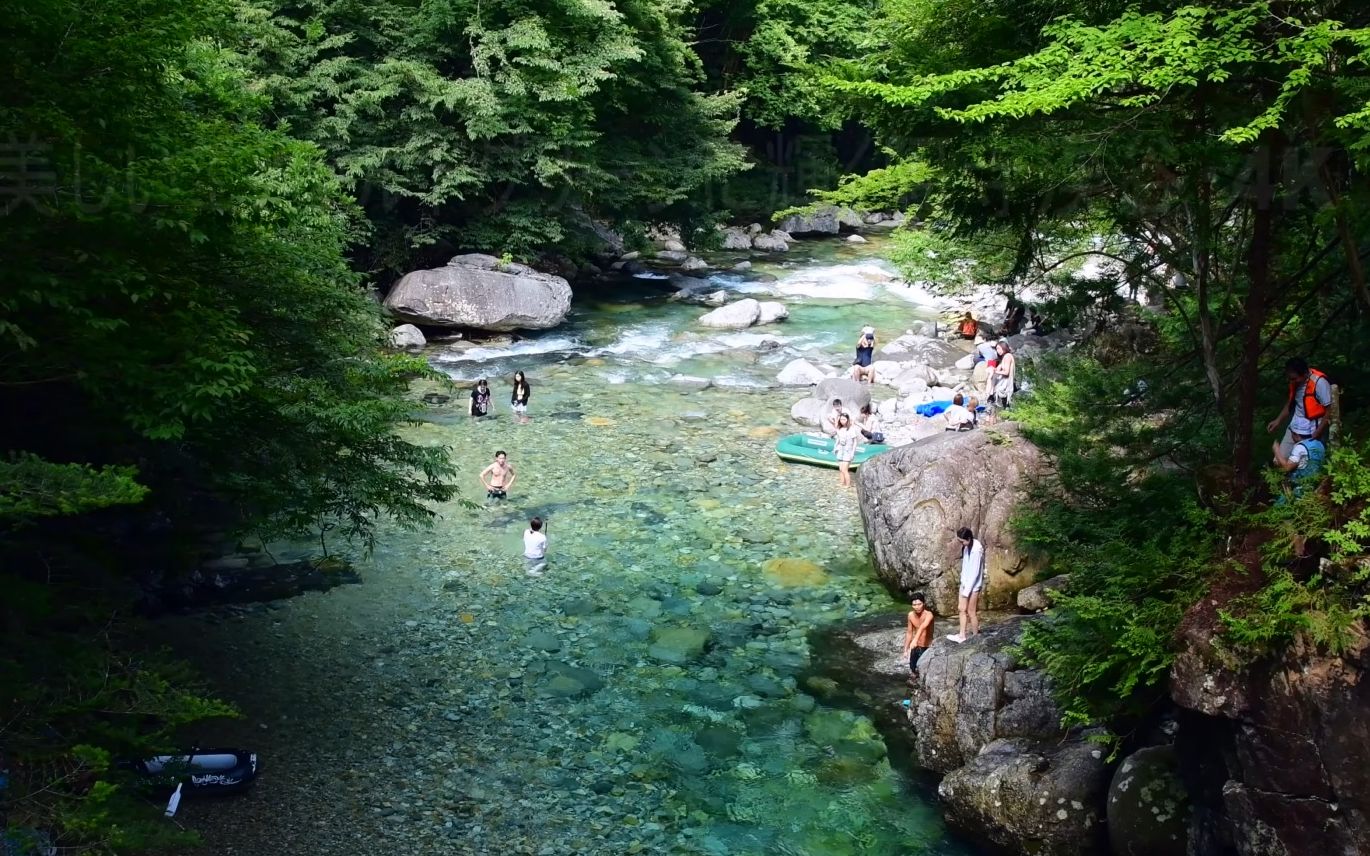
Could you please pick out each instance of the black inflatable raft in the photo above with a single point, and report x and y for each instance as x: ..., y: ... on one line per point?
x: 201, y: 772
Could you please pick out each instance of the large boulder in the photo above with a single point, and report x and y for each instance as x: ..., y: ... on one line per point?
x: 771, y: 312
x: 801, y: 373
x: 822, y: 221
x: 735, y: 316
x: 407, y: 336
x: 481, y: 292
x: 853, y: 394
x: 736, y: 238
x: 849, y: 219
x: 1284, y: 743
x: 808, y: 412
x: 1148, y: 807
x: 1014, y: 777
x: 770, y: 242
x: 912, y: 499
x: 925, y: 349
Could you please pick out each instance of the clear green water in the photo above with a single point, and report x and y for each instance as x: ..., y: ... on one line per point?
x: 653, y: 494
x: 647, y: 693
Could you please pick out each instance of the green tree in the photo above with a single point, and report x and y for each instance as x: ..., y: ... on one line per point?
x: 496, y: 126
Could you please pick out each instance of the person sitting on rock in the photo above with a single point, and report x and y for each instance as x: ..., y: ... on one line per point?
x: 958, y: 416
x: 967, y: 327
x: 862, y: 367
x: 828, y: 424
x: 869, y: 425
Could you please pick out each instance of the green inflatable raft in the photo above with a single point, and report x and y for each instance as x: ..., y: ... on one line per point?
x: 817, y: 449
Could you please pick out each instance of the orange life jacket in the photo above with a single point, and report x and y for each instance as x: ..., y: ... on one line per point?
x: 968, y: 327
x: 1312, y: 408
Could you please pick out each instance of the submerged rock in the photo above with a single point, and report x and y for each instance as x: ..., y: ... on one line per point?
x: 678, y: 645
x: 481, y: 292
x: 794, y: 572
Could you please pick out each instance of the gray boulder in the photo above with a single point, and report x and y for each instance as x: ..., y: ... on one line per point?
x: 1038, y: 596
x: 736, y: 238
x: 771, y: 312
x: 849, y: 219
x: 853, y: 394
x: 676, y: 256
x: 1148, y: 807
x: 800, y: 373
x: 1031, y: 797
x: 694, y: 264
x: 407, y: 336
x: 478, y: 291
x: 924, y: 349
x: 822, y: 221
x: 1013, y: 775
x: 808, y: 411
x: 770, y: 243
x: 914, y: 497
x: 735, y: 316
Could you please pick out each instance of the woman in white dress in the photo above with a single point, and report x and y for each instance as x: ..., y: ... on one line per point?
x: 844, y: 447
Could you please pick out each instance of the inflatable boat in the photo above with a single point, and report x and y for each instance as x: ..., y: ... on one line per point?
x: 817, y: 449
x: 200, y: 772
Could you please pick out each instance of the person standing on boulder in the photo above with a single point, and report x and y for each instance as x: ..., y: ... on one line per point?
x: 917, y: 633
x: 519, y: 399
x: 1310, y: 394
x: 862, y: 367
x: 972, y: 583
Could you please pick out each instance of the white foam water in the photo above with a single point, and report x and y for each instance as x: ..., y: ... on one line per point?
x: 522, y: 348
x: 832, y: 282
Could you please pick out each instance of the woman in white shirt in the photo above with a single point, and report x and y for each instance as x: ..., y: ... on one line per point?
x: 1004, y: 375
x: 972, y: 583
x: 844, y: 447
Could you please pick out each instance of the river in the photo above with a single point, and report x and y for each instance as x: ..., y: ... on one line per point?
x: 648, y: 692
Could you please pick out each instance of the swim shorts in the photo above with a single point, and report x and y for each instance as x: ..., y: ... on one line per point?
x: 496, y: 493
x: 915, y: 654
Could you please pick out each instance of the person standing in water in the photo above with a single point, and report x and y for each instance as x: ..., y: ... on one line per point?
x: 972, y: 583
x: 519, y: 399
x: 480, y: 398
x: 862, y: 368
x: 535, y: 548
x: 844, y: 447
x: 498, y: 478
x: 917, y: 633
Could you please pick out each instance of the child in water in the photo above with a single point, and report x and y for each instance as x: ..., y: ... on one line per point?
x: 535, y: 548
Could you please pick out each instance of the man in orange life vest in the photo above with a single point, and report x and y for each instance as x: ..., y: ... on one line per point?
x: 1310, y: 394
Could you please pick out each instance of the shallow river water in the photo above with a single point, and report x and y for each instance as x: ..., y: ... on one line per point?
x: 648, y: 692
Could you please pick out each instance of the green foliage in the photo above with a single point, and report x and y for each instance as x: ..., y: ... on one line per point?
x: 32, y: 488
x: 494, y: 125
x: 1324, y: 605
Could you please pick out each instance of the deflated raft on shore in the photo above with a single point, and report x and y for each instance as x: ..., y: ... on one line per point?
x: 817, y: 449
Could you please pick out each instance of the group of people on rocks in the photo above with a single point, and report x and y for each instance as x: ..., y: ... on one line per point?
x: 1300, y: 453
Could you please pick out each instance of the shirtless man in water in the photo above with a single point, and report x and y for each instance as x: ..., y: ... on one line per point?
x: 917, y: 634
x: 500, y: 477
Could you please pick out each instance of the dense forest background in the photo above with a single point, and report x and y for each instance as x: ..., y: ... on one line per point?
x: 199, y: 196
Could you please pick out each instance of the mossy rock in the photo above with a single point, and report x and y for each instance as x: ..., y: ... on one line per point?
x: 794, y: 572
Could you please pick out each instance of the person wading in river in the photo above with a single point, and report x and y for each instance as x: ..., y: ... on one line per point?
x: 519, y: 398
x: 480, y: 398
x: 972, y: 583
x: 498, y: 477
x: 917, y: 634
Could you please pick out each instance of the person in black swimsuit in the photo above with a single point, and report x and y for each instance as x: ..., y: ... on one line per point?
x: 861, y: 368
x: 480, y: 398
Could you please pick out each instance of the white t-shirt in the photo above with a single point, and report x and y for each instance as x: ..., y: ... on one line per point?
x: 957, y: 415
x: 534, y: 545
x: 1299, y: 456
x: 1300, y: 423
x: 972, y: 568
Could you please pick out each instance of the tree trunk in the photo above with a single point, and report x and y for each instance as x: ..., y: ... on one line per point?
x: 1266, y: 199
